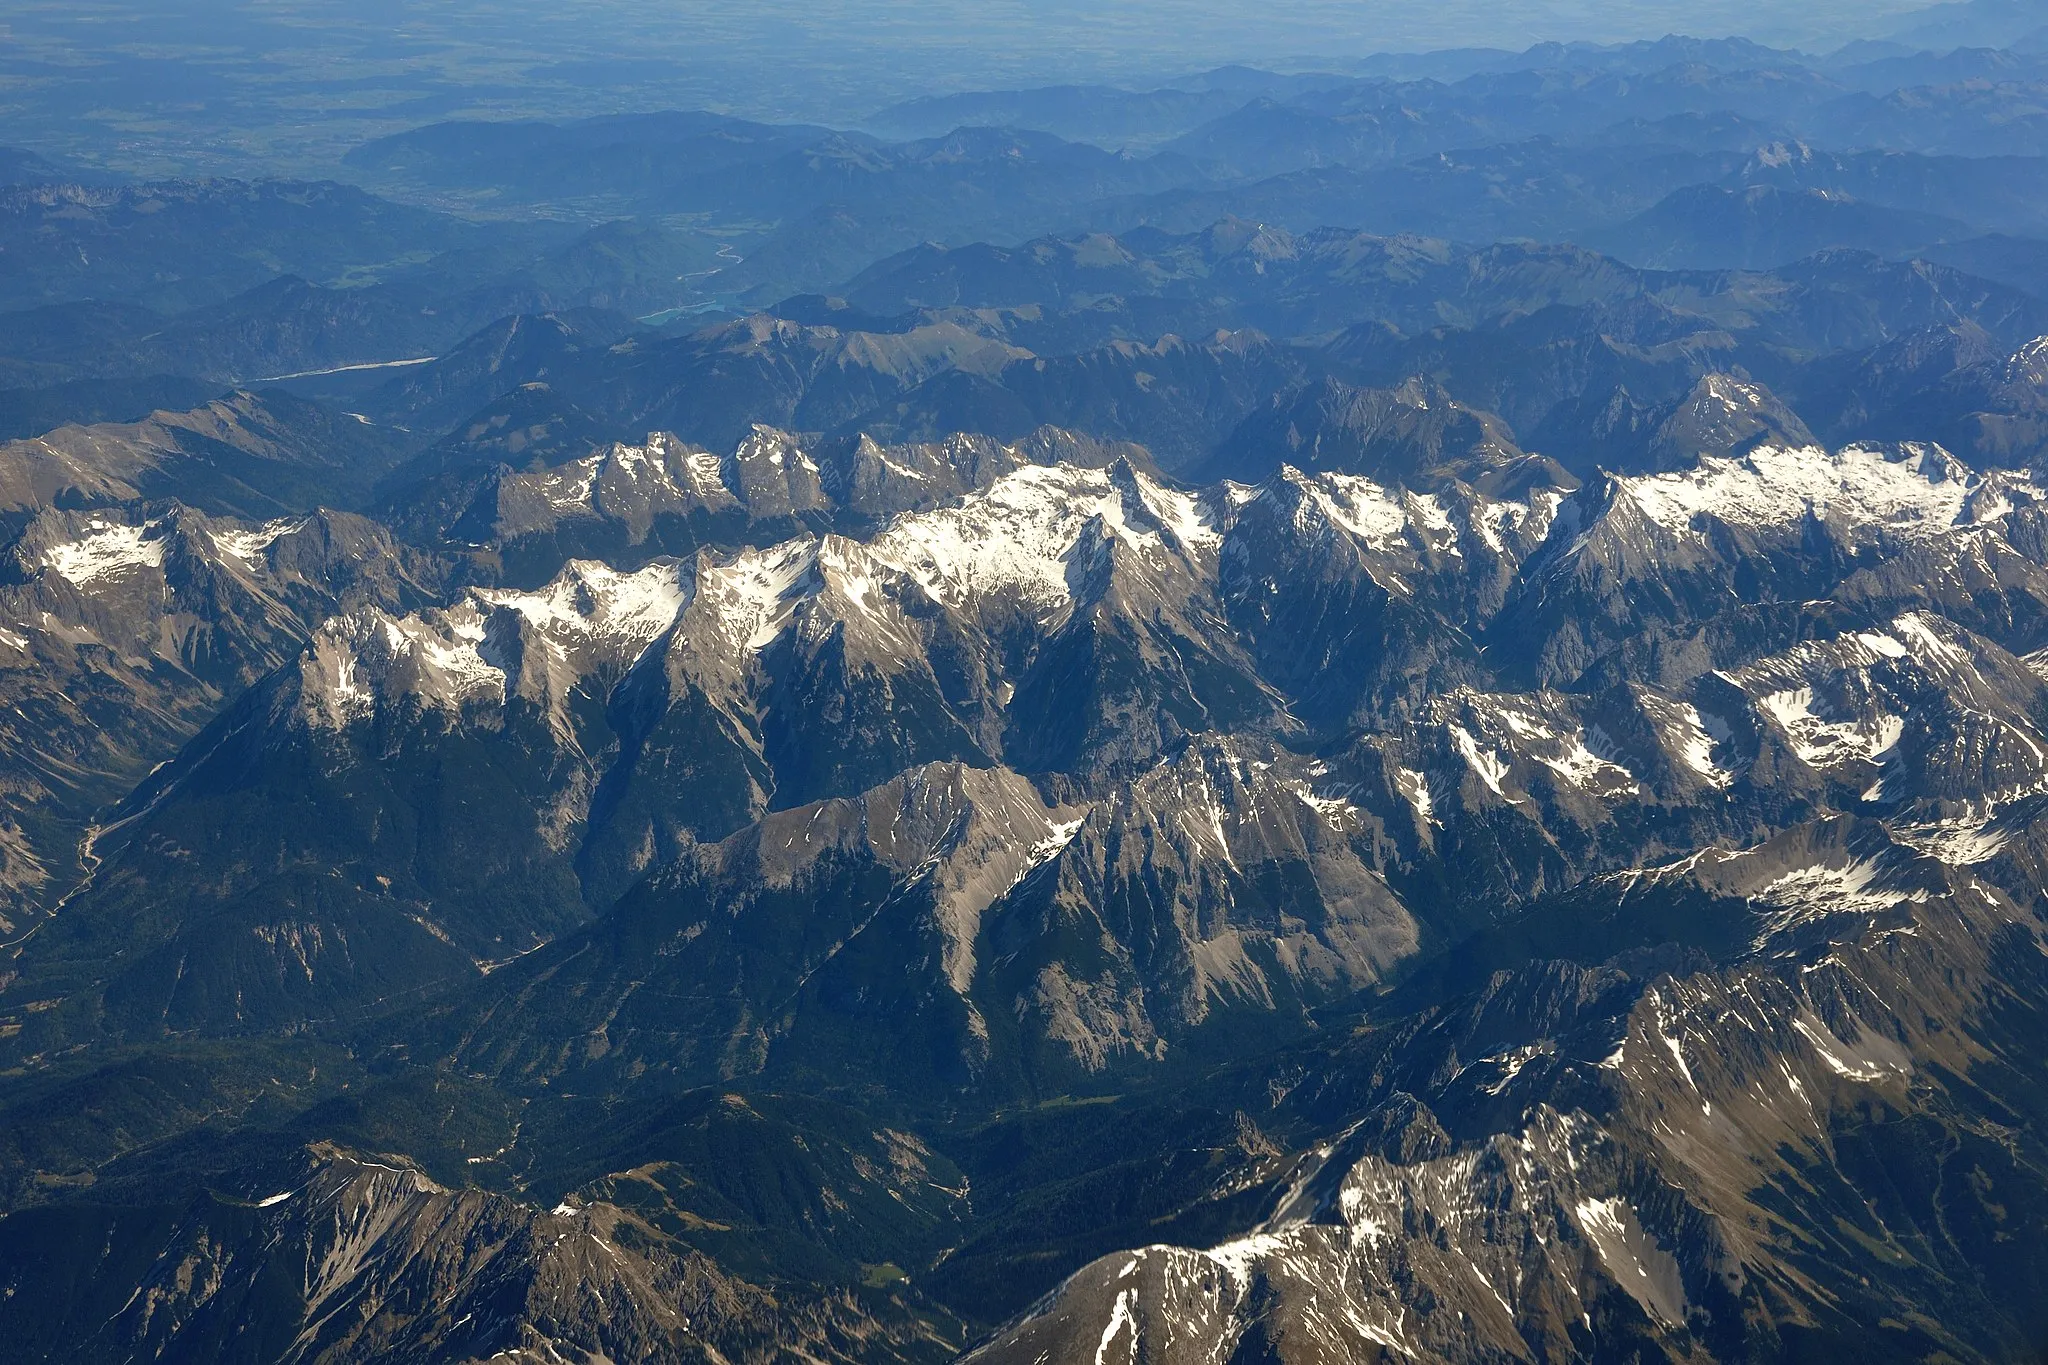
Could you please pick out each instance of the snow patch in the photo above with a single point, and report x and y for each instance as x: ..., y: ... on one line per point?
x: 1925, y: 643
x: 1490, y: 768
x: 1361, y: 507
x: 1959, y: 843
x: 1237, y: 1258
x: 251, y: 546
x: 1055, y: 842
x: 1582, y: 767
x: 1018, y: 534
x: 1415, y: 787
x: 1333, y: 809
x: 107, y: 550
x: 593, y: 600
x: 1685, y: 734
x: 1810, y: 893
x: 753, y: 596
x: 1823, y: 744
x: 1777, y: 486
x: 568, y: 488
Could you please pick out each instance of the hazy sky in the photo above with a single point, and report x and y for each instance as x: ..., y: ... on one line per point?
x: 1041, y: 36
x: 212, y: 84
x: 1217, y: 29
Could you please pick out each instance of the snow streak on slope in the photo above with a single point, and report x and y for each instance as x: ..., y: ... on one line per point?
x: 752, y: 595
x: 249, y: 546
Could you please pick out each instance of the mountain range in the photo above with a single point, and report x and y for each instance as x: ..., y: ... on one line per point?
x: 1390, y: 714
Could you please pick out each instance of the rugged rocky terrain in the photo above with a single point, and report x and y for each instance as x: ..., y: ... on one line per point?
x: 1581, y: 897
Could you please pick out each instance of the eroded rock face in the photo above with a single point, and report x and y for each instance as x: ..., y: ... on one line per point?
x: 1557, y: 916
x: 359, y: 1260
x: 1640, y: 1164
x: 1156, y: 662
x: 129, y: 628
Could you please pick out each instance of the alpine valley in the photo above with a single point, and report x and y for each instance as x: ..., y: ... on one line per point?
x: 1392, y: 710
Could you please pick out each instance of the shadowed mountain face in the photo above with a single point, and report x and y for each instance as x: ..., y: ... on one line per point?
x: 1055, y: 780
x: 1392, y: 711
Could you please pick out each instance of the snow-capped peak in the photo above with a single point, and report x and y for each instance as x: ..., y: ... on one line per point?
x: 1357, y: 505
x: 1018, y: 534
x: 359, y: 660
x: 752, y: 594
x: 454, y: 657
x: 1918, y: 489
x: 2029, y: 364
x: 591, y: 600
x: 1401, y: 522
x: 777, y: 448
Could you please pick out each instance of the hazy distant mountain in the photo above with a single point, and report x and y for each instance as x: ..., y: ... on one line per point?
x: 1973, y: 23
x: 182, y: 244
x: 1105, y: 116
x: 18, y: 166
x: 1707, y: 228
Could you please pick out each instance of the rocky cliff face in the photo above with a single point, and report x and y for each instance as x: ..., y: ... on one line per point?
x: 1567, y: 919
x: 1705, y: 1160
x: 129, y: 628
x: 357, y: 1259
